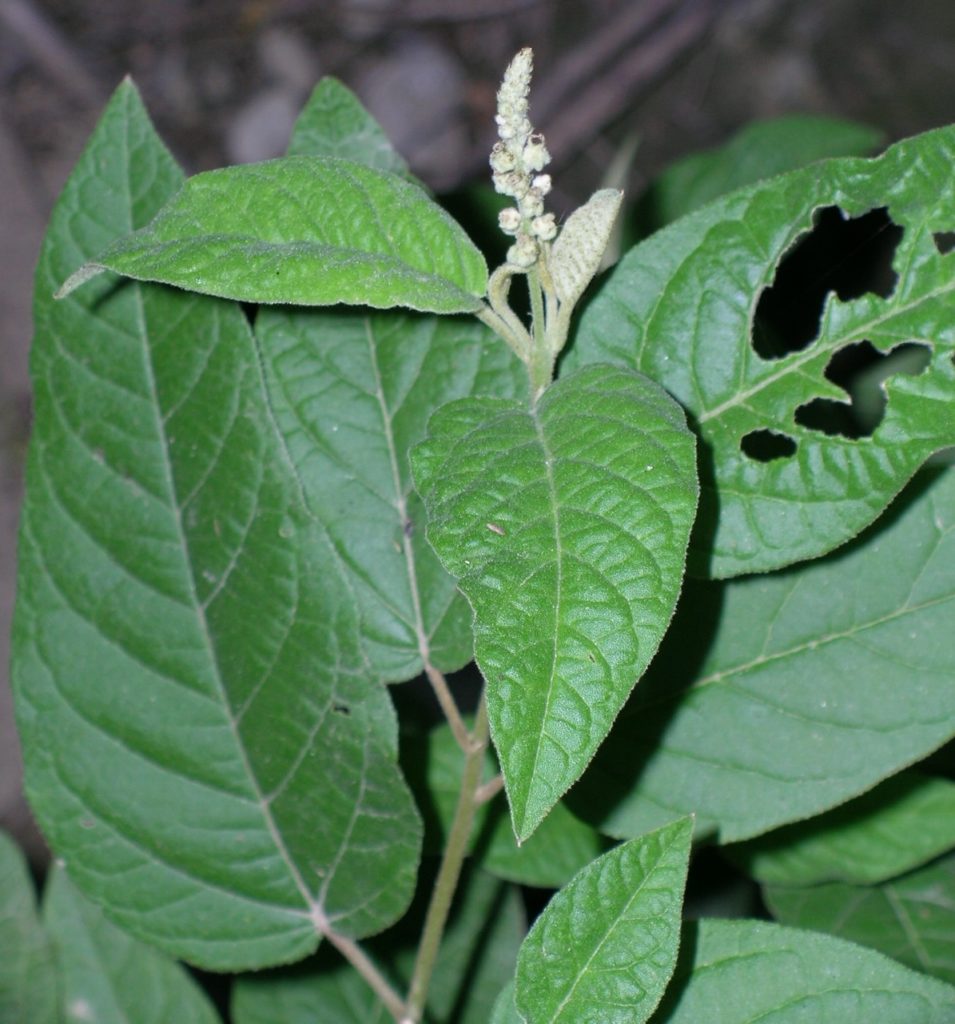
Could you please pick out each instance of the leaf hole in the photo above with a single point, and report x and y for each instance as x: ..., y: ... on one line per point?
x: 767, y: 445
x: 851, y: 256
x: 341, y: 709
x: 944, y: 241
x: 861, y: 371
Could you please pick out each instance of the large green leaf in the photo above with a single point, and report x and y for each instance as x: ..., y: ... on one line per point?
x: 680, y: 308
x: 476, y: 959
x: 334, y: 123
x: 566, y: 525
x: 759, y: 150
x: 605, y: 947
x: 204, y: 744
x: 911, y: 918
x: 351, y: 393
x: 776, y: 698
x: 310, y: 231
x: 28, y: 983
x: 108, y: 977
x: 741, y: 972
x: 899, y: 825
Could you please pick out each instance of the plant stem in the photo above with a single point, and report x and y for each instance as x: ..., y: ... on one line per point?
x: 488, y: 790
x: 450, y: 870
x: 448, y: 705
x: 353, y: 953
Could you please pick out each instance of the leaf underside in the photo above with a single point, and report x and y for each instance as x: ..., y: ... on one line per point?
x: 566, y: 526
x: 680, y: 308
x: 205, y: 745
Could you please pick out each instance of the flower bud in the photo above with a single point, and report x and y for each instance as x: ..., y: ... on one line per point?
x: 502, y: 159
x: 542, y: 183
x: 532, y: 205
x: 509, y: 220
x: 535, y: 155
x: 524, y: 252
x: 545, y: 227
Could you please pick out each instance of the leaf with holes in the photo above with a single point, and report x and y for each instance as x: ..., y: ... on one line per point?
x: 786, y: 475
x: 605, y: 947
x: 351, y: 393
x: 204, y: 744
x: 776, y: 698
x: 741, y: 972
x: 566, y: 525
x: 28, y: 983
x: 106, y: 976
x: 303, y: 230
x: 334, y: 123
x: 910, y: 918
x: 896, y: 827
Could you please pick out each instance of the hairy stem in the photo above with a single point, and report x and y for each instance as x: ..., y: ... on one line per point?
x: 450, y: 870
x: 354, y: 954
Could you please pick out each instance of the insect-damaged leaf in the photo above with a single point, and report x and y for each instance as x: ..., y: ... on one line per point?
x: 775, y: 486
x: 566, y: 525
x: 204, y: 745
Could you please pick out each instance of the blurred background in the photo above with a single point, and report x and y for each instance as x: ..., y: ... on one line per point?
x: 224, y: 79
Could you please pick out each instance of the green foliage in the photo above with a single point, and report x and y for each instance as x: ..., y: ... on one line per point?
x: 243, y: 524
x: 679, y: 308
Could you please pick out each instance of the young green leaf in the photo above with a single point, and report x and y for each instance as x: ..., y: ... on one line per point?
x: 108, y: 977
x: 759, y: 150
x: 566, y: 525
x: 204, y: 745
x: 477, y: 957
x: 911, y: 918
x: 898, y: 826
x: 740, y: 972
x: 351, y: 393
x: 308, y: 231
x: 605, y: 947
x: 680, y: 308
x: 776, y: 698
x: 334, y: 123
x: 28, y: 982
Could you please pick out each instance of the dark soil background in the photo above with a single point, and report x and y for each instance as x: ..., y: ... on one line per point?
x: 224, y: 80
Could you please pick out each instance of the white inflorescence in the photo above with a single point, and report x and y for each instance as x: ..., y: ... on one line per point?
x: 516, y: 161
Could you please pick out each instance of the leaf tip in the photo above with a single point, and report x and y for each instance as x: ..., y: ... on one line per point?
x: 77, y: 278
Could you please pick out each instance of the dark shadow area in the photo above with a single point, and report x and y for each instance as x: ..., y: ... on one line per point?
x: 847, y: 256
x: 944, y: 241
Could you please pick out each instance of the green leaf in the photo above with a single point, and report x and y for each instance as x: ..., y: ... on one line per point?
x: 680, y: 308
x: 760, y: 150
x: 911, y: 918
x: 560, y: 847
x: 896, y: 827
x: 309, y: 231
x: 204, y: 745
x: 28, y: 983
x: 776, y: 698
x: 740, y: 972
x: 351, y: 392
x: 605, y: 947
x: 334, y: 123
x: 505, y: 1012
x: 476, y: 959
x: 566, y: 525
x: 109, y: 977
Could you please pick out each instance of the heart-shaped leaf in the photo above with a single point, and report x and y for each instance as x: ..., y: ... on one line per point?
x: 566, y: 525
x: 303, y: 230
x: 606, y: 945
x: 776, y: 698
x: 777, y: 486
x: 740, y: 972
x: 204, y: 744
